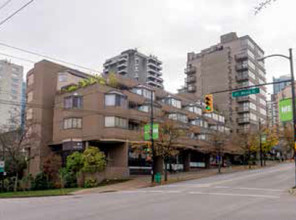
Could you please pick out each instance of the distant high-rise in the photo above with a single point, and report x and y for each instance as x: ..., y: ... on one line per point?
x: 11, y: 82
x: 280, y: 86
x: 230, y: 64
x: 135, y: 65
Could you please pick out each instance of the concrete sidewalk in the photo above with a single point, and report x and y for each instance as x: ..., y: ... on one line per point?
x: 137, y: 182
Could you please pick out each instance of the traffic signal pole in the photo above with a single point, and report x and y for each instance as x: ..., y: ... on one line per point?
x: 151, y: 139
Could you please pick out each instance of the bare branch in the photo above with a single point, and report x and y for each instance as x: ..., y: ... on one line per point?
x: 262, y: 5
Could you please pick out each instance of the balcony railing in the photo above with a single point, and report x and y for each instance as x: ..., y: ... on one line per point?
x: 241, y: 56
x: 243, y: 120
x: 243, y: 99
x: 191, y: 79
x: 191, y: 88
x: 240, y: 67
x: 243, y: 109
x: 190, y: 70
x: 242, y: 77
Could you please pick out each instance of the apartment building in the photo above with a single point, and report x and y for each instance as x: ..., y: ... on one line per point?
x: 138, y: 66
x: 280, y: 86
x: 230, y: 64
x: 11, y: 79
x: 111, y: 119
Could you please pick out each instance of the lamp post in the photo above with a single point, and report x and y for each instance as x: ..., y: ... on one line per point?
x: 290, y: 58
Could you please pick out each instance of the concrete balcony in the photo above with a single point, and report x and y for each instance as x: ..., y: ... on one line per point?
x: 242, y: 120
x: 191, y: 88
x: 190, y: 70
x: 243, y: 99
x: 122, y: 58
x: 191, y: 79
x: 121, y: 65
x: 241, y: 56
x: 154, y: 83
x: 244, y: 109
x: 241, y: 67
x: 240, y: 78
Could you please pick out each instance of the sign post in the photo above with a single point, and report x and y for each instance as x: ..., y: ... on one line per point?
x: 245, y: 92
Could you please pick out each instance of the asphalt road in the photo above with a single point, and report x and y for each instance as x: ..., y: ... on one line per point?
x: 248, y: 195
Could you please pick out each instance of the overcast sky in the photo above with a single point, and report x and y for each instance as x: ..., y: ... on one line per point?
x: 87, y: 32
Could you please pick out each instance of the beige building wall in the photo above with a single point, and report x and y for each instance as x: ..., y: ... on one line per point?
x: 11, y: 79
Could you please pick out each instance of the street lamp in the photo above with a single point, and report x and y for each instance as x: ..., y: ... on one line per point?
x: 290, y: 58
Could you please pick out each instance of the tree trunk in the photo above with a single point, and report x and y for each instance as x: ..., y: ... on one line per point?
x: 165, y: 170
x: 15, y: 183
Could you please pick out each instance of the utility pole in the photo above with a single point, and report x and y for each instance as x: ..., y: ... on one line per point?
x: 151, y: 138
x: 260, y: 141
x: 293, y: 105
x: 290, y: 58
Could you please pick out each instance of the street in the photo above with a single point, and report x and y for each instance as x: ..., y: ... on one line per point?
x: 257, y: 194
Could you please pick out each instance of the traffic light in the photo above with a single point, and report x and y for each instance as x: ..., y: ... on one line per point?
x: 209, y: 103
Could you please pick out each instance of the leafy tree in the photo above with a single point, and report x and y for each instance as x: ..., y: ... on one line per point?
x: 75, y: 162
x: 51, y: 166
x: 93, y: 160
x: 169, y: 132
x: 219, y: 141
x: 271, y: 140
x: 112, y: 80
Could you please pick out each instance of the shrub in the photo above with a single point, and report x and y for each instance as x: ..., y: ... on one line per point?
x: 74, y: 162
x: 93, y: 160
x: 41, y: 182
x: 90, y: 182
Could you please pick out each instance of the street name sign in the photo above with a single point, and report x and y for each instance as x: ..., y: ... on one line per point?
x: 2, y: 165
x: 245, y: 92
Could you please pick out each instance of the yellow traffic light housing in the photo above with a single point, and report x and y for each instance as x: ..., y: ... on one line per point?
x: 209, y: 103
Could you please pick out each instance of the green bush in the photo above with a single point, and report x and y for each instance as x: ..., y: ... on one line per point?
x: 41, y: 182
x: 90, y: 182
x: 70, y: 180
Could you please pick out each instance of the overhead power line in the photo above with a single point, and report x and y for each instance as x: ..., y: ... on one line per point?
x: 47, y: 57
x: 5, y: 3
x: 16, y: 12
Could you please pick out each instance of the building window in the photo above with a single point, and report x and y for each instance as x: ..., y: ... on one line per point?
x: 30, y: 79
x: 178, y: 117
x: 115, y: 100
x: 15, y: 80
x: 29, y: 114
x: 144, y: 92
x: 112, y: 121
x: 173, y: 102
x: 194, y: 109
x: 62, y: 77
x: 30, y: 96
x: 72, y: 123
x: 73, y: 102
x: 144, y: 108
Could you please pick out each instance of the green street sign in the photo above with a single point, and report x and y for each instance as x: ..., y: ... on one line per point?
x: 245, y: 92
x: 263, y: 138
x: 2, y: 165
x: 285, y: 110
x: 147, y: 132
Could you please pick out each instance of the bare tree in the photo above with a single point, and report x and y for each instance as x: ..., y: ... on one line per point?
x: 14, y: 145
x: 263, y: 5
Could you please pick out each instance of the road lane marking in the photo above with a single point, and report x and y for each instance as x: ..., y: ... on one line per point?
x: 250, y: 188
x: 236, y: 195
